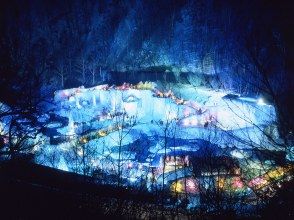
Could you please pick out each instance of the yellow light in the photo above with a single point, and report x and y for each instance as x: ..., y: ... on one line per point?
x: 177, y: 187
x: 102, y: 133
x: 221, y: 182
x: 83, y: 140
x: 276, y: 173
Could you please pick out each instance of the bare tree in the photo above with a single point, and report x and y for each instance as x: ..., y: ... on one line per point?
x: 92, y: 69
x: 60, y: 69
x: 82, y: 68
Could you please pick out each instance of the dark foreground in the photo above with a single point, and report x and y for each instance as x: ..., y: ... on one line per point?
x: 30, y: 191
x: 33, y: 191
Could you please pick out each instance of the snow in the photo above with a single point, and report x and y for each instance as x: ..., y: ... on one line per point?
x: 290, y: 154
x: 240, y: 154
x: 53, y: 125
x: 205, y: 115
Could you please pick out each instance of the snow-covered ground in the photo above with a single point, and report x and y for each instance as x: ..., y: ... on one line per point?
x: 110, y: 126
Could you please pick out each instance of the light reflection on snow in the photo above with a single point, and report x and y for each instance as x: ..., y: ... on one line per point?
x: 95, y: 110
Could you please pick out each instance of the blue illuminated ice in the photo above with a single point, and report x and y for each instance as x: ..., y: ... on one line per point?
x: 131, y: 117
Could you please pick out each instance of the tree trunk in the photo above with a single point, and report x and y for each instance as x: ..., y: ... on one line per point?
x: 83, y: 71
x: 93, y: 76
x: 62, y: 80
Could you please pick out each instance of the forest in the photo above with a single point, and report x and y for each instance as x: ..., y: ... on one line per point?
x: 183, y: 107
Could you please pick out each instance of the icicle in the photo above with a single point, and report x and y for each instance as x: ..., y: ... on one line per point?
x: 71, y: 128
x: 77, y: 102
x: 94, y: 100
x: 113, y: 104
